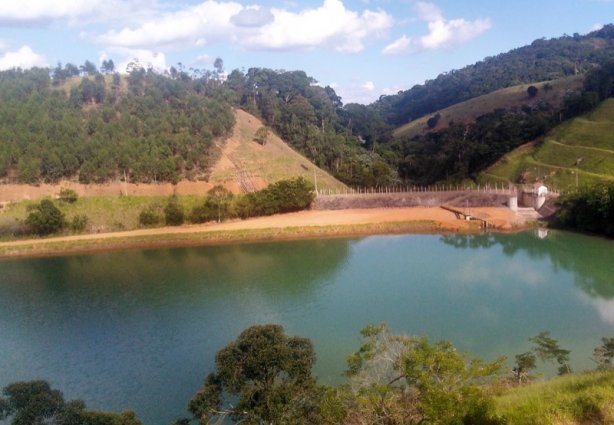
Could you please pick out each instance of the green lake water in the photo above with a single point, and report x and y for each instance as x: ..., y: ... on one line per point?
x: 139, y: 329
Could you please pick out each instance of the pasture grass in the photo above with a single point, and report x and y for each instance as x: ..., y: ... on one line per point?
x: 506, y: 98
x: 583, y: 398
x: 578, y: 152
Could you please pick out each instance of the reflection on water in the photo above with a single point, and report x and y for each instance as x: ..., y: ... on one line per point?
x: 139, y: 329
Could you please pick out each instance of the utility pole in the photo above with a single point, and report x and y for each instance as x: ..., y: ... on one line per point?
x: 315, y: 180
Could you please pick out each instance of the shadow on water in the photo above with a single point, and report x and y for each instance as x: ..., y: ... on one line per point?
x: 590, y: 259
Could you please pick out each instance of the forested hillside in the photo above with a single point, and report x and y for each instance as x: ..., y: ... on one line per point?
x: 144, y: 126
x: 542, y: 60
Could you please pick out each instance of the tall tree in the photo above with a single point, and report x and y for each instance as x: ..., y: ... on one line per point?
x: 263, y: 376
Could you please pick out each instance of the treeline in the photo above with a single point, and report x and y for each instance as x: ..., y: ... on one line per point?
x: 588, y: 209
x: 265, y: 376
x: 311, y: 119
x: 220, y: 204
x: 143, y: 127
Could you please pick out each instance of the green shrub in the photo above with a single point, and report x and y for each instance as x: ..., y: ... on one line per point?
x: 173, y: 212
x: 79, y: 223
x: 68, y: 195
x: 204, y: 212
x: 150, y: 216
x: 45, y: 218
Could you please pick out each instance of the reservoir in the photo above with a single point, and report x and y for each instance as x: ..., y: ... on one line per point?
x: 139, y: 329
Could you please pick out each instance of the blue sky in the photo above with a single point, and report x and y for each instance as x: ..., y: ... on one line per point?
x: 362, y: 48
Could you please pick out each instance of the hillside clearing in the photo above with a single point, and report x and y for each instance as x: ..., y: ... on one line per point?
x: 578, y: 152
x: 510, y: 97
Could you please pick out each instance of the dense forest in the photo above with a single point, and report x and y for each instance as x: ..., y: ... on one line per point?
x: 145, y: 126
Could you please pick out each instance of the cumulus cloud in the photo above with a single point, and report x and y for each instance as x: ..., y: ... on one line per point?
x: 194, y: 25
x: 24, y: 58
x: 442, y: 32
x: 330, y: 25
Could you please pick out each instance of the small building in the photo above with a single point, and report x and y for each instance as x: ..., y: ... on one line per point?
x: 540, y: 189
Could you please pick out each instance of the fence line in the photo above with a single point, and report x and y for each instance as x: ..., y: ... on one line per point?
x: 449, y: 188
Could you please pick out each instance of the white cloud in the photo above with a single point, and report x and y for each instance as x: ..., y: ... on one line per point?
x: 24, y: 58
x: 400, y: 45
x: 428, y: 11
x: 368, y: 85
x: 356, y: 91
x: 596, y: 27
x: 194, y: 25
x: 73, y: 11
x: 330, y: 25
x: 145, y: 58
x: 252, y: 17
x: 442, y: 32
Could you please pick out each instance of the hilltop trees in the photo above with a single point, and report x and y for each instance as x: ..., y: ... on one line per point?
x: 160, y: 130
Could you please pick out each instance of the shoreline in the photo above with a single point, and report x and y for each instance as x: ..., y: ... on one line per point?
x: 282, y: 227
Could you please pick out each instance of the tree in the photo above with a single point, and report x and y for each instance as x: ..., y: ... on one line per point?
x: 432, y: 122
x: 532, y: 91
x: 399, y: 379
x: 261, y: 136
x: 525, y: 362
x: 107, y: 67
x: 45, y: 218
x: 88, y: 68
x: 547, y: 349
x: 173, y: 212
x: 604, y: 354
x: 36, y: 403
x: 262, y: 376
x: 221, y: 197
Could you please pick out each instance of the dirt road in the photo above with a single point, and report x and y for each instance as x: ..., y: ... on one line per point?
x: 442, y: 220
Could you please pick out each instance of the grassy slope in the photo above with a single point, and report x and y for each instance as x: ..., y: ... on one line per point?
x: 506, y: 98
x: 584, y: 145
x: 266, y: 164
x: 586, y: 398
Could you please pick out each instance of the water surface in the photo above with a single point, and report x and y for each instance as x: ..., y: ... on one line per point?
x: 139, y: 329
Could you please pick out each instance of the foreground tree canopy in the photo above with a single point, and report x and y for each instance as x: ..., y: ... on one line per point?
x: 267, y: 373
x: 36, y: 403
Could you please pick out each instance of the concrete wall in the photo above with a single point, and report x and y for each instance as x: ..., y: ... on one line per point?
x: 411, y: 199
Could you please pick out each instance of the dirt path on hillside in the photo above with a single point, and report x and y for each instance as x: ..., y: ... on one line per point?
x: 501, y: 218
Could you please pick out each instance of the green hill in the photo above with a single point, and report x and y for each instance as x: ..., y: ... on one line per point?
x: 580, y: 152
x: 553, y: 92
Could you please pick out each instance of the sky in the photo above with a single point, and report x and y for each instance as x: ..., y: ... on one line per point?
x: 361, y: 48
